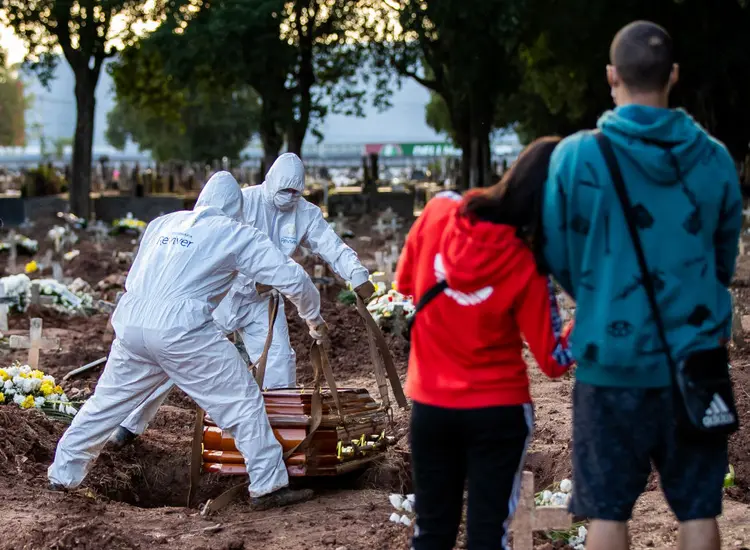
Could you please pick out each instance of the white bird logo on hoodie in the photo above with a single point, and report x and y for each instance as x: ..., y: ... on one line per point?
x: 462, y: 298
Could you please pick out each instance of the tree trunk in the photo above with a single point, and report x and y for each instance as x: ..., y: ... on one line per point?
x: 80, y: 186
x: 270, y: 136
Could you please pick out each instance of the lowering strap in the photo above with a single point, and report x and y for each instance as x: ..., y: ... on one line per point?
x: 382, y: 359
x: 260, y: 364
x: 196, y: 455
x: 319, y: 359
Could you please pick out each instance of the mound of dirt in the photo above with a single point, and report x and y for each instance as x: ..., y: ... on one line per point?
x: 27, y: 442
x: 80, y: 534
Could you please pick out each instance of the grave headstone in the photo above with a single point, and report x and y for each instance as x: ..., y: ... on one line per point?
x: 35, y: 342
x: 529, y: 518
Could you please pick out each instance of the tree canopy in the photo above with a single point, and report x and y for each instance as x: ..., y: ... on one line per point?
x: 198, y: 122
x: 87, y: 32
x: 13, y: 105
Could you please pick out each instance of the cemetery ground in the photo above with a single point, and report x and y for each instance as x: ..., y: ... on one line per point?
x: 135, y: 498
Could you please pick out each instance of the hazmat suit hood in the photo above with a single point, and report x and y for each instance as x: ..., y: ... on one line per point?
x: 661, y: 142
x: 223, y: 192
x: 287, y: 172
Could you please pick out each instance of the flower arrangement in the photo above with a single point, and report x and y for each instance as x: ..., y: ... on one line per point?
x: 385, y: 306
x: 558, y: 494
x: 66, y: 300
x: 128, y: 224
x: 19, y: 287
x: 29, y: 388
x: 24, y: 245
x: 62, y: 235
x: 405, y: 504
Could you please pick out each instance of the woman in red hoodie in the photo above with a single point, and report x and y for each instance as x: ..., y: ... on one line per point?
x: 471, y: 263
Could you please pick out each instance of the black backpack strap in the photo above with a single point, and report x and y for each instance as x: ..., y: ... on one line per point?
x: 432, y: 293
x: 605, y: 145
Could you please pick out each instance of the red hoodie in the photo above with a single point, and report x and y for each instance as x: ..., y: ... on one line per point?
x: 466, y: 344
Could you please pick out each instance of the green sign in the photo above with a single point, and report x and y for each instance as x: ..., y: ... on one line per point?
x: 419, y: 150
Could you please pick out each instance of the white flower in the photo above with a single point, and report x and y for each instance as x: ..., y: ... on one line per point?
x: 39, y: 402
x: 397, y: 501
x: 72, y: 254
x: 8, y: 385
x: 405, y: 521
x: 566, y: 485
x: 48, y: 378
x: 395, y: 518
x: 559, y: 499
x: 64, y: 398
x: 70, y: 410
x: 407, y: 506
x: 411, y: 498
x: 18, y: 381
x: 25, y: 369
x: 13, y: 371
x: 546, y: 497
x: 18, y: 398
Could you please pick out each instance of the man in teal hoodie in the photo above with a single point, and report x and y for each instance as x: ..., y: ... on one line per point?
x: 685, y: 193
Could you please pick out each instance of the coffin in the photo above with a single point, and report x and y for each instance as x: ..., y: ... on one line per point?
x: 338, y: 446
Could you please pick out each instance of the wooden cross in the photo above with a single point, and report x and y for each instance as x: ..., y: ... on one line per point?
x: 38, y: 299
x: 529, y: 518
x: 34, y: 343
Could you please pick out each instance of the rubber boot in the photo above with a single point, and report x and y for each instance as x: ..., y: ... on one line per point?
x: 120, y: 438
x: 282, y: 497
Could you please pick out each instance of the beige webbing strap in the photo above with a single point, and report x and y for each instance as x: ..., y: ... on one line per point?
x: 260, y: 364
x: 196, y: 455
x: 316, y: 405
x: 382, y: 359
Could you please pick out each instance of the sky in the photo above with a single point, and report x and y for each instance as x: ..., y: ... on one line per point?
x: 12, y: 45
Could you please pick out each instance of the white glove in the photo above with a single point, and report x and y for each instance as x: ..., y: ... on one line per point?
x: 318, y: 329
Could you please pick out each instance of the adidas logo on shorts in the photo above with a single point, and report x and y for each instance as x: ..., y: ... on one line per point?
x: 717, y: 414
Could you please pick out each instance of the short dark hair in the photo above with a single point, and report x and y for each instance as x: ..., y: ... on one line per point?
x: 642, y: 53
x: 516, y: 200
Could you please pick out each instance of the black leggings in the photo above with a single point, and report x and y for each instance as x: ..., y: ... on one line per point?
x: 485, y: 447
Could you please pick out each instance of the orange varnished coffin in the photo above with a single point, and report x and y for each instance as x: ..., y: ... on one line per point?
x: 335, y: 448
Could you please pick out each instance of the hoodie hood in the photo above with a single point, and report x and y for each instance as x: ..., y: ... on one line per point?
x: 223, y: 192
x: 662, y: 143
x: 287, y: 172
x: 477, y: 254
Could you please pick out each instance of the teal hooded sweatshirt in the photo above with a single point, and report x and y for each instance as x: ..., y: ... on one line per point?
x: 684, y: 188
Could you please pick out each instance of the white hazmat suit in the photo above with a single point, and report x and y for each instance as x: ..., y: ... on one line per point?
x: 164, y: 331
x: 290, y: 221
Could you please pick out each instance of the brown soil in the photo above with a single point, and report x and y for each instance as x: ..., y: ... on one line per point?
x: 135, y: 498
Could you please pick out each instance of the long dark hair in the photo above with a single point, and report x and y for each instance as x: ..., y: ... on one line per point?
x: 516, y: 200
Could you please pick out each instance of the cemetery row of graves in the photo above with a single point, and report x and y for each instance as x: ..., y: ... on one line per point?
x: 60, y: 282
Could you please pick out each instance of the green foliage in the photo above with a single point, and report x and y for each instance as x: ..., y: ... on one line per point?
x: 42, y: 181
x: 299, y: 56
x: 347, y: 297
x: 197, y: 122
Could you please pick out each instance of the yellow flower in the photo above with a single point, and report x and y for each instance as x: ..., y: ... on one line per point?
x: 23, y: 375
x: 58, y: 390
x: 4, y: 375
x: 47, y: 388
x: 37, y: 374
x: 2, y: 397
x: 393, y: 285
x: 28, y: 402
x: 31, y: 267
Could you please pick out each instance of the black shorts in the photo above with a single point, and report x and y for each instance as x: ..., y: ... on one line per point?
x: 617, y: 434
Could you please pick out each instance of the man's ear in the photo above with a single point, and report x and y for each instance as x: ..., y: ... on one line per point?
x: 612, y: 78
x: 674, y: 76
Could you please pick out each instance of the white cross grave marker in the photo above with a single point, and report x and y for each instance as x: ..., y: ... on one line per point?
x: 529, y: 518
x: 12, y: 267
x: 37, y: 298
x: 3, y: 309
x: 34, y: 343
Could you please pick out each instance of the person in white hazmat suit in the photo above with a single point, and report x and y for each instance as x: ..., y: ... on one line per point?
x: 277, y: 208
x: 186, y: 263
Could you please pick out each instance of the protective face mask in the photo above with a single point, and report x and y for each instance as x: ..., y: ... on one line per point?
x: 284, y: 200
